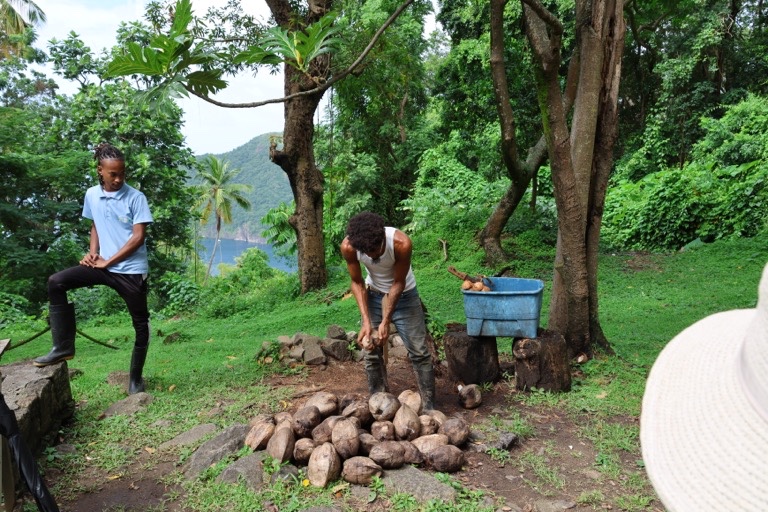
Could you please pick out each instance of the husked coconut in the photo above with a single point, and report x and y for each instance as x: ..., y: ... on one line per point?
x: 407, y: 424
x: 306, y: 419
x: 438, y: 415
x: 446, y: 459
x: 302, y: 450
x: 428, y: 424
x: 367, y: 441
x: 280, y: 445
x: 470, y: 396
x: 456, y: 429
x: 322, y: 433
x: 261, y: 418
x: 383, y: 430
x: 388, y: 454
x: 411, y: 454
x: 284, y: 417
x: 412, y: 399
x: 324, y: 465
x: 359, y: 409
x: 426, y: 444
x: 383, y: 406
x: 360, y: 470
x: 327, y: 403
x: 349, y: 398
x: 344, y: 438
x: 259, y: 435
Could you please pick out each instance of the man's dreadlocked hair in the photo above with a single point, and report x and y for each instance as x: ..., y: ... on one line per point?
x: 106, y: 151
x: 365, y: 232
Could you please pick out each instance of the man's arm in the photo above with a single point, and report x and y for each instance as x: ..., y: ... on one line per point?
x: 135, y: 241
x: 92, y: 257
x: 358, y: 288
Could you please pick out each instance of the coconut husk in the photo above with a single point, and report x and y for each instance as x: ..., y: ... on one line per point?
x: 388, y: 454
x: 383, y: 406
x: 412, y: 399
x: 261, y: 418
x: 426, y: 444
x: 322, y: 433
x: 367, y: 441
x: 280, y: 445
x: 411, y: 454
x: 470, y: 396
x: 407, y: 424
x: 428, y: 424
x: 359, y: 409
x: 456, y: 429
x: 440, y: 418
x: 327, y: 403
x: 344, y: 438
x: 446, y: 459
x: 360, y: 470
x: 259, y: 435
x: 305, y: 420
x: 383, y: 430
x: 324, y: 465
x: 302, y: 450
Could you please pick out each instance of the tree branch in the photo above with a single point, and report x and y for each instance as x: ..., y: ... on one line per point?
x: 546, y: 16
x: 321, y: 87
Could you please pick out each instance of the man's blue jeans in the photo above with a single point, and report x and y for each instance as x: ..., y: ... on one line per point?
x: 408, y: 318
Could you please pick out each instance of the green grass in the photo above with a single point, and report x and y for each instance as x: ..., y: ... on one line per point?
x: 210, y: 371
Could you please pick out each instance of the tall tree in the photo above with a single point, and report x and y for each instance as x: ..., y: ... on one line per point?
x: 17, y: 17
x: 190, y: 62
x: 216, y: 195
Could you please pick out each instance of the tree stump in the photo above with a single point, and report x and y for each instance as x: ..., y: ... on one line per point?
x: 542, y: 362
x: 471, y: 359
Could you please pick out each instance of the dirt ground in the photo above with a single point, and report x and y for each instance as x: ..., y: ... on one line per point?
x: 556, y: 439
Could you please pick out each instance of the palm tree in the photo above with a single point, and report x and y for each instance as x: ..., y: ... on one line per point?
x: 16, y: 16
x: 216, y: 195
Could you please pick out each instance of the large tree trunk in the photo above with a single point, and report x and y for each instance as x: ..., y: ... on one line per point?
x: 581, y: 157
x: 297, y: 156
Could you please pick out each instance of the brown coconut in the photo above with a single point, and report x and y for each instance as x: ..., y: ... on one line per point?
x: 470, y: 396
x: 306, y: 419
x: 438, y: 415
x: 407, y: 424
x: 412, y: 399
x: 411, y: 454
x: 456, y: 429
x: 259, y: 435
x: 260, y: 418
x: 367, y: 441
x: 284, y: 417
x: 324, y: 465
x: 383, y: 430
x: 428, y: 424
x: 446, y: 459
x: 280, y: 445
x: 359, y: 409
x: 302, y: 450
x: 347, y: 399
x: 388, y: 454
x: 344, y: 438
x: 360, y: 470
x: 383, y: 406
x: 426, y: 444
x: 327, y: 403
x: 322, y: 433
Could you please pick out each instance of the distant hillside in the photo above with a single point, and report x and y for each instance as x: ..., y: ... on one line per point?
x: 269, y: 188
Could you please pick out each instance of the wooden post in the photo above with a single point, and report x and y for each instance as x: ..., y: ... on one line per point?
x: 542, y: 362
x: 471, y: 360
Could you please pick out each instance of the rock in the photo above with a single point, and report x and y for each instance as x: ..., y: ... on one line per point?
x: 313, y: 352
x: 337, y: 349
x: 420, y: 484
x: 336, y: 332
x: 190, y: 437
x: 227, y: 442
x: 249, y: 469
x: 128, y: 406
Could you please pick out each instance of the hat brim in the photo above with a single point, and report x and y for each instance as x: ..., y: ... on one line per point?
x: 704, y: 445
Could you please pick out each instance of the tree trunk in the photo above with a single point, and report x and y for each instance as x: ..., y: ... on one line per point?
x: 580, y: 157
x: 297, y: 156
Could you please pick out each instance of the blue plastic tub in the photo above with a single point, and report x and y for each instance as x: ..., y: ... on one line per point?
x: 512, y: 308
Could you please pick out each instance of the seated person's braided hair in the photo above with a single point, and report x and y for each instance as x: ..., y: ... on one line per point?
x: 106, y: 151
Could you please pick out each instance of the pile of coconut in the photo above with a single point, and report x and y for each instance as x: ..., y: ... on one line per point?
x: 358, y: 438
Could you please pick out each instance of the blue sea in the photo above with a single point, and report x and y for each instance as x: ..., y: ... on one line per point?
x: 228, y: 250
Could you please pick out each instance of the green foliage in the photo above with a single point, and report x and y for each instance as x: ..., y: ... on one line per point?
x: 179, y: 293
x: 279, y: 233
x: 13, y: 308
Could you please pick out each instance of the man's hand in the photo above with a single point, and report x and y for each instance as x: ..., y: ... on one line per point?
x: 89, y: 259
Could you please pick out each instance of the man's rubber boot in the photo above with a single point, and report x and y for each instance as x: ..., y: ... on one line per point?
x: 61, y: 318
x: 135, y: 382
x: 377, y: 375
x: 426, y: 380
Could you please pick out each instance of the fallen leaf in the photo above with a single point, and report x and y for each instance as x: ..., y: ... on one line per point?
x: 602, y: 395
x: 171, y: 387
x: 231, y: 357
x: 149, y: 449
x: 113, y: 477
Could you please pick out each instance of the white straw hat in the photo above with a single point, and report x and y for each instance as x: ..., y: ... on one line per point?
x: 704, y: 423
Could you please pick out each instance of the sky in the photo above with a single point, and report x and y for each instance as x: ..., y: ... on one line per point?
x: 207, y: 128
